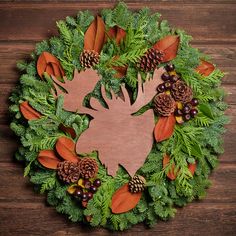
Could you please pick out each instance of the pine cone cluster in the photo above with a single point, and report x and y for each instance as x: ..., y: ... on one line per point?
x: 181, y: 92
x: 150, y: 60
x: 88, y: 168
x: 164, y: 104
x: 89, y: 58
x: 68, y: 171
x: 137, y: 184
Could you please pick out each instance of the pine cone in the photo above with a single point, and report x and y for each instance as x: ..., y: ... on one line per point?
x: 137, y: 184
x: 89, y: 58
x: 150, y: 60
x: 88, y: 168
x: 68, y: 171
x: 164, y: 104
x: 181, y: 92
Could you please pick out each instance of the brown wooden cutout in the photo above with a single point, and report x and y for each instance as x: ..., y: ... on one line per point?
x: 117, y: 135
x: 82, y: 84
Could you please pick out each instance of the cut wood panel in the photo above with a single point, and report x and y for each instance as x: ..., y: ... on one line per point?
x: 31, y: 217
x: 31, y: 24
x: 12, y: 52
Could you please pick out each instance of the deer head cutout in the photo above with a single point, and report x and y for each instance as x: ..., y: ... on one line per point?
x: 117, y: 135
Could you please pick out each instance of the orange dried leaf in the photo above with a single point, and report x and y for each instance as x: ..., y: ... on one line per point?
x: 68, y: 130
x: 192, y: 168
x: 48, y: 159
x: 50, y: 64
x: 66, y: 149
x: 169, y: 45
x: 171, y: 174
x: 164, y: 128
x: 205, y: 68
x: 116, y: 33
x: 121, y: 71
x: 95, y: 35
x: 123, y: 200
x: 28, y: 112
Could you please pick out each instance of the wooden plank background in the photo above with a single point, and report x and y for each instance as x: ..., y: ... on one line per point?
x: 23, y: 23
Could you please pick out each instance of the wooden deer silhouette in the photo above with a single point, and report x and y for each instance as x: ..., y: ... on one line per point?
x: 119, y: 136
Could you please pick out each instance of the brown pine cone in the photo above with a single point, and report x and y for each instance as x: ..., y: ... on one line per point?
x: 150, y: 60
x: 181, y: 92
x: 88, y: 168
x: 164, y: 104
x: 137, y: 184
x: 68, y: 171
x: 89, y: 58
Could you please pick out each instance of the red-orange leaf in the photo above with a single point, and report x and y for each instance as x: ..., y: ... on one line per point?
x: 95, y: 35
x: 123, y: 200
x: 205, y: 68
x: 164, y: 127
x: 68, y: 130
x: 192, y: 168
x: 169, y: 45
x: 48, y: 159
x: 66, y: 149
x: 121, y: 71
x: 28, y: 112
x: 116, y: 33
x: 171, y: 174
x: 50, y: 64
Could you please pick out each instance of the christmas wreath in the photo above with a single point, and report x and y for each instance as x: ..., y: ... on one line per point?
x: 120, y: 119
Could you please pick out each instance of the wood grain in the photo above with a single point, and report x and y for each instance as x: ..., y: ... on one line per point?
x: 25, y: 22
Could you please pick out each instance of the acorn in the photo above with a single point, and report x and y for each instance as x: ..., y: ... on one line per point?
x: 193, y: 113
x: 84, y: 197
x: 165, y: 76
x: 194, y: 102
x: 174, y: 78
x: 93, y: 189
x: 169, y: 67
x: 186, y: 109
x: 187, y: 117
x: 97, y: 182
x: 167, y: 85
x: 161, y: 88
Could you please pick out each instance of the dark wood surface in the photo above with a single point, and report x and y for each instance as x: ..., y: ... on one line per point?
x: 23, y: 23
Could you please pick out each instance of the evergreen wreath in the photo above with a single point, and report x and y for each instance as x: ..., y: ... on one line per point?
x: 123, y: 47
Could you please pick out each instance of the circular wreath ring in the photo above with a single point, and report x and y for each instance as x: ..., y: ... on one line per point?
x: 120, y: 119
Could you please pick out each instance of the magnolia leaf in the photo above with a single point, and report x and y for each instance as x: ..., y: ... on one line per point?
x: 116, y: 33
x: 164, y: 128
x: 205, y: 68
x: 192, y: 168
x: 50, y: 64
x: 68, y: 130
x: 28, y: 112
x: 66, y: 149
x: 123, y: 200
x: 171, y: 174
x: 48, y: 159
x: 95, y: 35
x: 169, y: 45
x: 206, y: 110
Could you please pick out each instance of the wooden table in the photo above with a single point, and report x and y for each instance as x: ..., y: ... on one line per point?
x: 23, y: 23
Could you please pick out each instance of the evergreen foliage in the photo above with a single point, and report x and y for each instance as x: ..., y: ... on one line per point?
x: 198, y: 140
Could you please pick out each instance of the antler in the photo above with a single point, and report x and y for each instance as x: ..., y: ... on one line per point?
x: 147, y: 90
x: 75, y: 90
